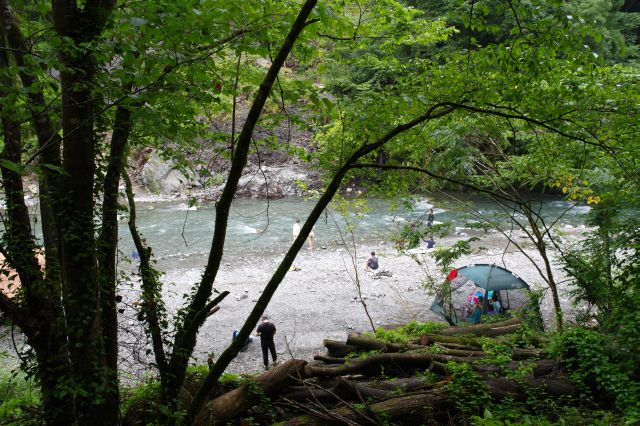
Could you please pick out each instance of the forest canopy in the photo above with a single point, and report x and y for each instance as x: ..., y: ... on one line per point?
x: 504, y: 98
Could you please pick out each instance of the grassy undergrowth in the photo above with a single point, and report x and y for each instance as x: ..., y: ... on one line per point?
x: 19, y: 400
x: 409, y: 331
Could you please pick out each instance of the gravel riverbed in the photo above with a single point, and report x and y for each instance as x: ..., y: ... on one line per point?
x: 317, y: 300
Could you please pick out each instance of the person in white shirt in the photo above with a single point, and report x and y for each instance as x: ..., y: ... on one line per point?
x: 296, y: 229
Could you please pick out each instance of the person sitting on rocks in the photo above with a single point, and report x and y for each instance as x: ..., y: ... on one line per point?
x: 430, y: 243
x: 372, y: 262
x: 494, y: 304
x: 246, y: 343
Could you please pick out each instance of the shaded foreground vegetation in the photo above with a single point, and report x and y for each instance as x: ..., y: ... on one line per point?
x: 420, y: 373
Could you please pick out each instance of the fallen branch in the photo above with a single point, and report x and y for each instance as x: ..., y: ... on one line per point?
x: 393, y: 408
x: 430, y: 339
x: 373, y: 364
x: 457, y: 346
x: 370, y: 343
x: 539, y: 368
x: 329, y: 359
x: 338, y: 349
x: 488, y: 329
x: 427, y: 407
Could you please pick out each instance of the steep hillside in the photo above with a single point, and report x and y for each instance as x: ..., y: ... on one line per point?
x: 274, y: 168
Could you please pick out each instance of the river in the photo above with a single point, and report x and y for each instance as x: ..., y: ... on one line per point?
x: 175, y: 230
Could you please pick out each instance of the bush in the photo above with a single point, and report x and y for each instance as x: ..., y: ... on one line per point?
x: 597, y: 372
x: 19, y: 400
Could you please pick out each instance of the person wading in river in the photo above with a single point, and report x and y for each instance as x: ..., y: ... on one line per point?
x: 296, y: 229
x: 430, y: 218
x: 267, y: 331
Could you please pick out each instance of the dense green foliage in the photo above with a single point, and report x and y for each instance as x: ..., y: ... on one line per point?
x: 504, y: 98
x: 604, y: 267
x: 19, y: 399
x: 410, y: 331
x: 600, y: 371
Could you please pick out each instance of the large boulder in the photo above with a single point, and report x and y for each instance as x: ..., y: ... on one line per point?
x: 161, y: 176
x: 274, y: 182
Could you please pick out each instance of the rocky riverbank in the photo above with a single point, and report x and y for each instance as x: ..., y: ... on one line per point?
x: 318, y: 298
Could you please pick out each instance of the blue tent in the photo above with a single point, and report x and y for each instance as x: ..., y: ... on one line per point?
x: 492, y: 277
x: 450, y: 301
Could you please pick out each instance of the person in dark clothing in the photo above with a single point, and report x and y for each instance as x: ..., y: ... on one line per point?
x: 267, y: 331
x: 430, y: 218
x: 430, y: 242
x: 372, y: 262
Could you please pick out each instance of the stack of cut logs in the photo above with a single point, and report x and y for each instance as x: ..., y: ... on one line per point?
x: 388, y: 385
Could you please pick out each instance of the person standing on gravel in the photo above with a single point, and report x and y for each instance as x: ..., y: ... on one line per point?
x: 267, y: 330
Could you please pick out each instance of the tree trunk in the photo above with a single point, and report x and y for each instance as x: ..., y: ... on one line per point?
x: 37, y: 316
x: 329, y: 359
x: 79, y: 265
x: 152, y: 306
x: 370, y: 343
x: 338, y: 349
x: 232, y: 403
x: 542, y: 250
x: 457, y: 346
x: 338, y: 390
x: 411, y: 408
x: 373, y: 365
x: 540, y: 368
x: 93, y: 384
x: 426, y: 407
x: 484, y: 329
x: 107, y: 245
x: 184, y: 342
x: 53, y: 368
x: 430, y: 339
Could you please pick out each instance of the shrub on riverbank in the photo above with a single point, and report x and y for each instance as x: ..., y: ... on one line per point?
x: 19, y: 400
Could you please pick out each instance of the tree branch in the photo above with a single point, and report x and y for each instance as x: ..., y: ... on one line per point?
x: 152, y: 304
x: 332, y: 188
x: 186, y: 335
x: 433, y: 175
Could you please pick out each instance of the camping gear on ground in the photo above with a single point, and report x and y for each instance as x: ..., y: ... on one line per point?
x: 465, y: 285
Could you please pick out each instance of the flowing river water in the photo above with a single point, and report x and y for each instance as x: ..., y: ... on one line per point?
x: 175, y: 230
